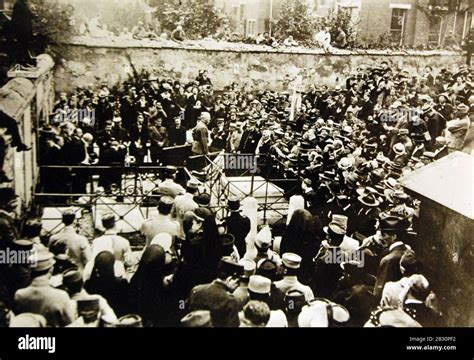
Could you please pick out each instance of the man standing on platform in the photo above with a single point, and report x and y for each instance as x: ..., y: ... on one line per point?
x: 201, y: 135
x: 250, y: 138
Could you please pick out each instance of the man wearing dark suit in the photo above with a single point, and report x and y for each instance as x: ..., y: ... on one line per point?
x: 201, y: 135
x: 217, y: 296
x: 237, y: 225
x: 250, y: 138
x: 118, y: 132
x: 139, y: 137
x: 8, y: 230
x: 392, y: 229
x: 177, y: 133
x: 112, y: 156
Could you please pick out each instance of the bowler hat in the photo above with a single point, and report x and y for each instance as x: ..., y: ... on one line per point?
x: 203, y: 199
x: 233, y: 203
x: 394, y: 223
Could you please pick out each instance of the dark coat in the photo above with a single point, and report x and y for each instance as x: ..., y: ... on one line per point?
x: 325, y: 274
x: 216, y: 298
x: 249, y: 141
x: 239, y: 226
x: 176, y: 136
x: 389, y: 268
x: 8, y: 230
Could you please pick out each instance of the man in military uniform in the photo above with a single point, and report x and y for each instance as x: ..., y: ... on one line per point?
x: 237, y: 224
x: 40, y: 298
x: 168, y: 187
x: 184, y: 203
x: 76, y: 246
x: 217, y: 296
x: 291, y: 264
x: 110, y: 241
x: 201, y: 135
x: 162, y: 222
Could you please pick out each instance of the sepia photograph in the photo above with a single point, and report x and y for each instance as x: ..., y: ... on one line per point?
x: 237, y: 164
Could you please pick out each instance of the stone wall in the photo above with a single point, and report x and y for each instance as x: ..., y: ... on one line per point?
x: 256, y: 67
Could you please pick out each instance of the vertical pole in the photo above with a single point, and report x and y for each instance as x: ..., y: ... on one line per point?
x: 271, y: 18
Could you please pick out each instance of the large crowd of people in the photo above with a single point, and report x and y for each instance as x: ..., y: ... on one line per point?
x: 345, y: 257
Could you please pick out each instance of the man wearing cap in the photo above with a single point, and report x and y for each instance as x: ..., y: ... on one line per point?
x: 392, y: 230
x: 184, y: 203
x: 242, y: 291
x: 260, y: 289
x: 32, y: 232
x: 73, y: 284
x: 294, y: 303
x: 77, y: 246
x: 261, y: 249
x: 103, y: 110
x: 118, y: 132
x: 161, y: 222
x: 456, y: 129
x: 169, y: 187
x: 237, y: 224
x: 338, y: 227
x: 40, y: 298
x: 250, y: 138
x: 291, y: 263
x: 201, y: 135
x: 110, y: 241
x: 434, y: 120
x: 217, y: 296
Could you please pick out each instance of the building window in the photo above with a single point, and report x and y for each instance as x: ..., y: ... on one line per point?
x: 434, y: 36
x: 235, y: 11
x: 251, y: 27
x: 397, y: 25
x: 242, y: 11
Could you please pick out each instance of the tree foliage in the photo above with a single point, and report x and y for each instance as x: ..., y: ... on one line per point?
x: 295, y: 20
x: 340, y: 19
x: 197, y: 19
x: 52, y: 24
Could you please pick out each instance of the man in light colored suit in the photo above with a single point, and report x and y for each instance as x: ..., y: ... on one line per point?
x: 184, y: 203
x: 291, y: 263
x: 77, y: 246
x: 168, y: 187
x: 161, y: 223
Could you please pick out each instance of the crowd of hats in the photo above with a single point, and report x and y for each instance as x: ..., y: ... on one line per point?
x: 348, y: 161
